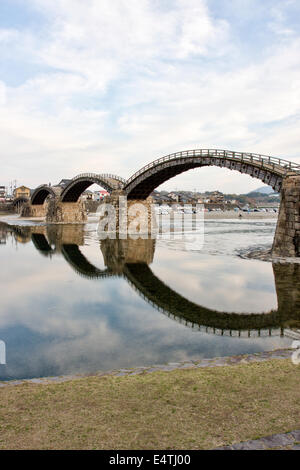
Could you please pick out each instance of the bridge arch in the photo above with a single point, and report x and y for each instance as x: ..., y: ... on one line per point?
x: 270, y: 170
x: 169, y: 302
x: 41, y: 193
x: 18, y: 202
x: 80, y: 183
x: 41, y: 244
x: 81, y: 265
x: 154, y: 291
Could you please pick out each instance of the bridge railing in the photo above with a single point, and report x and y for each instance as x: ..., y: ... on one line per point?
x: 100, y: 176
x: 238, y: 156
x: 41, y: 186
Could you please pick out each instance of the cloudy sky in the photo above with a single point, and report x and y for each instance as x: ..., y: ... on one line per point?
x: 107, y: 86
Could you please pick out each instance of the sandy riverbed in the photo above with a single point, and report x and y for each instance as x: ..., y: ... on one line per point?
x: 235, y: 215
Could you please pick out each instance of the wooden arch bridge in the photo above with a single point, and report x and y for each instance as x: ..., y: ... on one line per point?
x: 61, y: 203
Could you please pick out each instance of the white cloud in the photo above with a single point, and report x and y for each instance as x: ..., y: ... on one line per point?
x: 8, y: 35
x: 121, y: 83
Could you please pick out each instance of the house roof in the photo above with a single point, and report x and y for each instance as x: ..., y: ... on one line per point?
x: 64, y: 182
x: 22, y: 187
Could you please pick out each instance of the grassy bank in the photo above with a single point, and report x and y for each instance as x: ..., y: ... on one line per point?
x: 183, y: 409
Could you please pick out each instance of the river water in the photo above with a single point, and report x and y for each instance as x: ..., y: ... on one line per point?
x: 73, y: 304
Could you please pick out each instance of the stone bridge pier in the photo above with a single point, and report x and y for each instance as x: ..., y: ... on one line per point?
x: 33, y: 210
x: 128, y: 217
x: 56, y: 211
x: 134, y: 215
x: 59, y: 212
x: 287, y: 235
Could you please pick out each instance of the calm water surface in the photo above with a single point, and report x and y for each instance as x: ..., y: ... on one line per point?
x: 72, y: 304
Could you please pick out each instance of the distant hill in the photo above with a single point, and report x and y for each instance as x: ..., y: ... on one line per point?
x: 262, y: 190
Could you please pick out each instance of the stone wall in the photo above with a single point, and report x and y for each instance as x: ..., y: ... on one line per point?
x: 92, y: 206
x: 132, y: 215
x: 29, y: 210
x: 58, y: 212
x: 38, y: 210
x: 287, y: 236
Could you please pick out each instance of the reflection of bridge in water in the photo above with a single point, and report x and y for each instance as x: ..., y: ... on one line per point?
x: 130, y: 259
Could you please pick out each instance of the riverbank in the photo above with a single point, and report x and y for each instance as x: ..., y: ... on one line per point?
x: 184, y: 408
x: 266, y: 255
x: 240, y: 215
x: 214, y: 215
x: 15, y: 219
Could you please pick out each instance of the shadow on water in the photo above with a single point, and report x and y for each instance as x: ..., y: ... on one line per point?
x: 131, y: 260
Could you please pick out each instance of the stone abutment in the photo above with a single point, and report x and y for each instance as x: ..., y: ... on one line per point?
x: 287, y: 236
